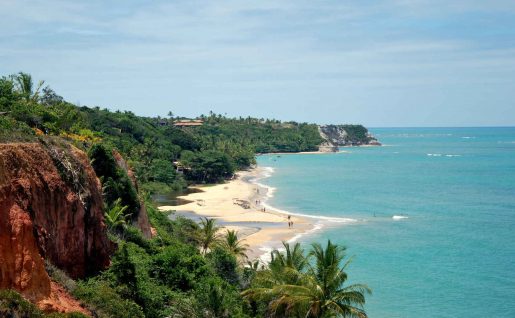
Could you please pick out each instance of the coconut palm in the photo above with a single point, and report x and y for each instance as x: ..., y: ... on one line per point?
x: 285, y: 268
x: 25, y: 86
x: 254, y: 265
x: 317, y: 292
x: 235, y: 246
x: 115, y: 216
x: 215, y: 301
x: 291, y: 258
x: 209, y: 235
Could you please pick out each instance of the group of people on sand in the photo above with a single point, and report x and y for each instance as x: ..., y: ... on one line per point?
x: 258, y: 202
x: 290, y: 222
x: 263, y: 209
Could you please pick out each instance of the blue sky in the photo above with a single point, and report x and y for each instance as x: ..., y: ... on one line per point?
x: 380, y: 63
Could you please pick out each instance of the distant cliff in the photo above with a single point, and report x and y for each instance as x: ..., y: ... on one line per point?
x: 50, y: 209
x: 345, y: 135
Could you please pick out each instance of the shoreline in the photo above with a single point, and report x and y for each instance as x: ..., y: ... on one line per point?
x: 237, y: 205
x: 302, y: 153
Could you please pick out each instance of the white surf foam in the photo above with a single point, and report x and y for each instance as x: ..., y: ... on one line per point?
x: 270, y: 193
x: 265, y: 256
x: 297, y: 237
x: 322, y: 221
x: 399, y: 217
x: 440, y: 155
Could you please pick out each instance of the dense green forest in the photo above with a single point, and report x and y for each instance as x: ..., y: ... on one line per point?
x: 221, y: 145
x: 187, y: 269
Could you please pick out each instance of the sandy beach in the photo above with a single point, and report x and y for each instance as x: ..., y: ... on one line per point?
x: 238, y: 204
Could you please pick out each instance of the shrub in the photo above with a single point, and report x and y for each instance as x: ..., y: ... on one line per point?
x: 162, y: 171
x: 104, y: 301
x: 116, y: 182
x: 130, y: 269
x: 225, y: 265
x: 179, y: 267
x: 13, y: 304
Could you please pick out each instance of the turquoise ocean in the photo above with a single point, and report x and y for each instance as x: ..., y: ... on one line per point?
x: 434, y: 217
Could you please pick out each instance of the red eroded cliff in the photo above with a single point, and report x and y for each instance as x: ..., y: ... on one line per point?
x: 50, y: 208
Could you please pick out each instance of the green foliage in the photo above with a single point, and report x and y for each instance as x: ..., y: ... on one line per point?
x: 13, y: 304
x: 313, y: 288
x: 356, y: 134
x: 106, y: 301
x: 115, y: 217
x: 116, y: 183
x: 209, y: 235
x: 134, y: 235
x: 219, y: 299
x: 233, y: 245
x: 183, y: 139
x: 224, y: 264
x: 12, y: 130
x: 169, y: 232
x: 290, y: 258
x: 151, y: 145
x: 130, y: 269
x: 179, y: 266
x: 259, y: 135
x: 162, y: 171
x: 59, y: 276
x: 102, y: 161
x: 209, y: 166
x: 7, y: 94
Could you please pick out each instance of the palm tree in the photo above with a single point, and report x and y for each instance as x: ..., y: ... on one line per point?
x: 317, y: 292
x: 254, y: 265
x: 208, y: 234
x: 115, y: 216
x: 215, y: 301
x: 25, y: 86
x: 235, y: 246
x: 292, y: 258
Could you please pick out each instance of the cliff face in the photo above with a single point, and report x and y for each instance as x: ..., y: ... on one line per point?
x: 50, y: 208
x: 345, y: 135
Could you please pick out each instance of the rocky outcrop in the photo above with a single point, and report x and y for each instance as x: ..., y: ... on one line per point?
x: 141, y: 222
x: 50, y: 208
x: 345, y: 135
x: 327, y: 145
